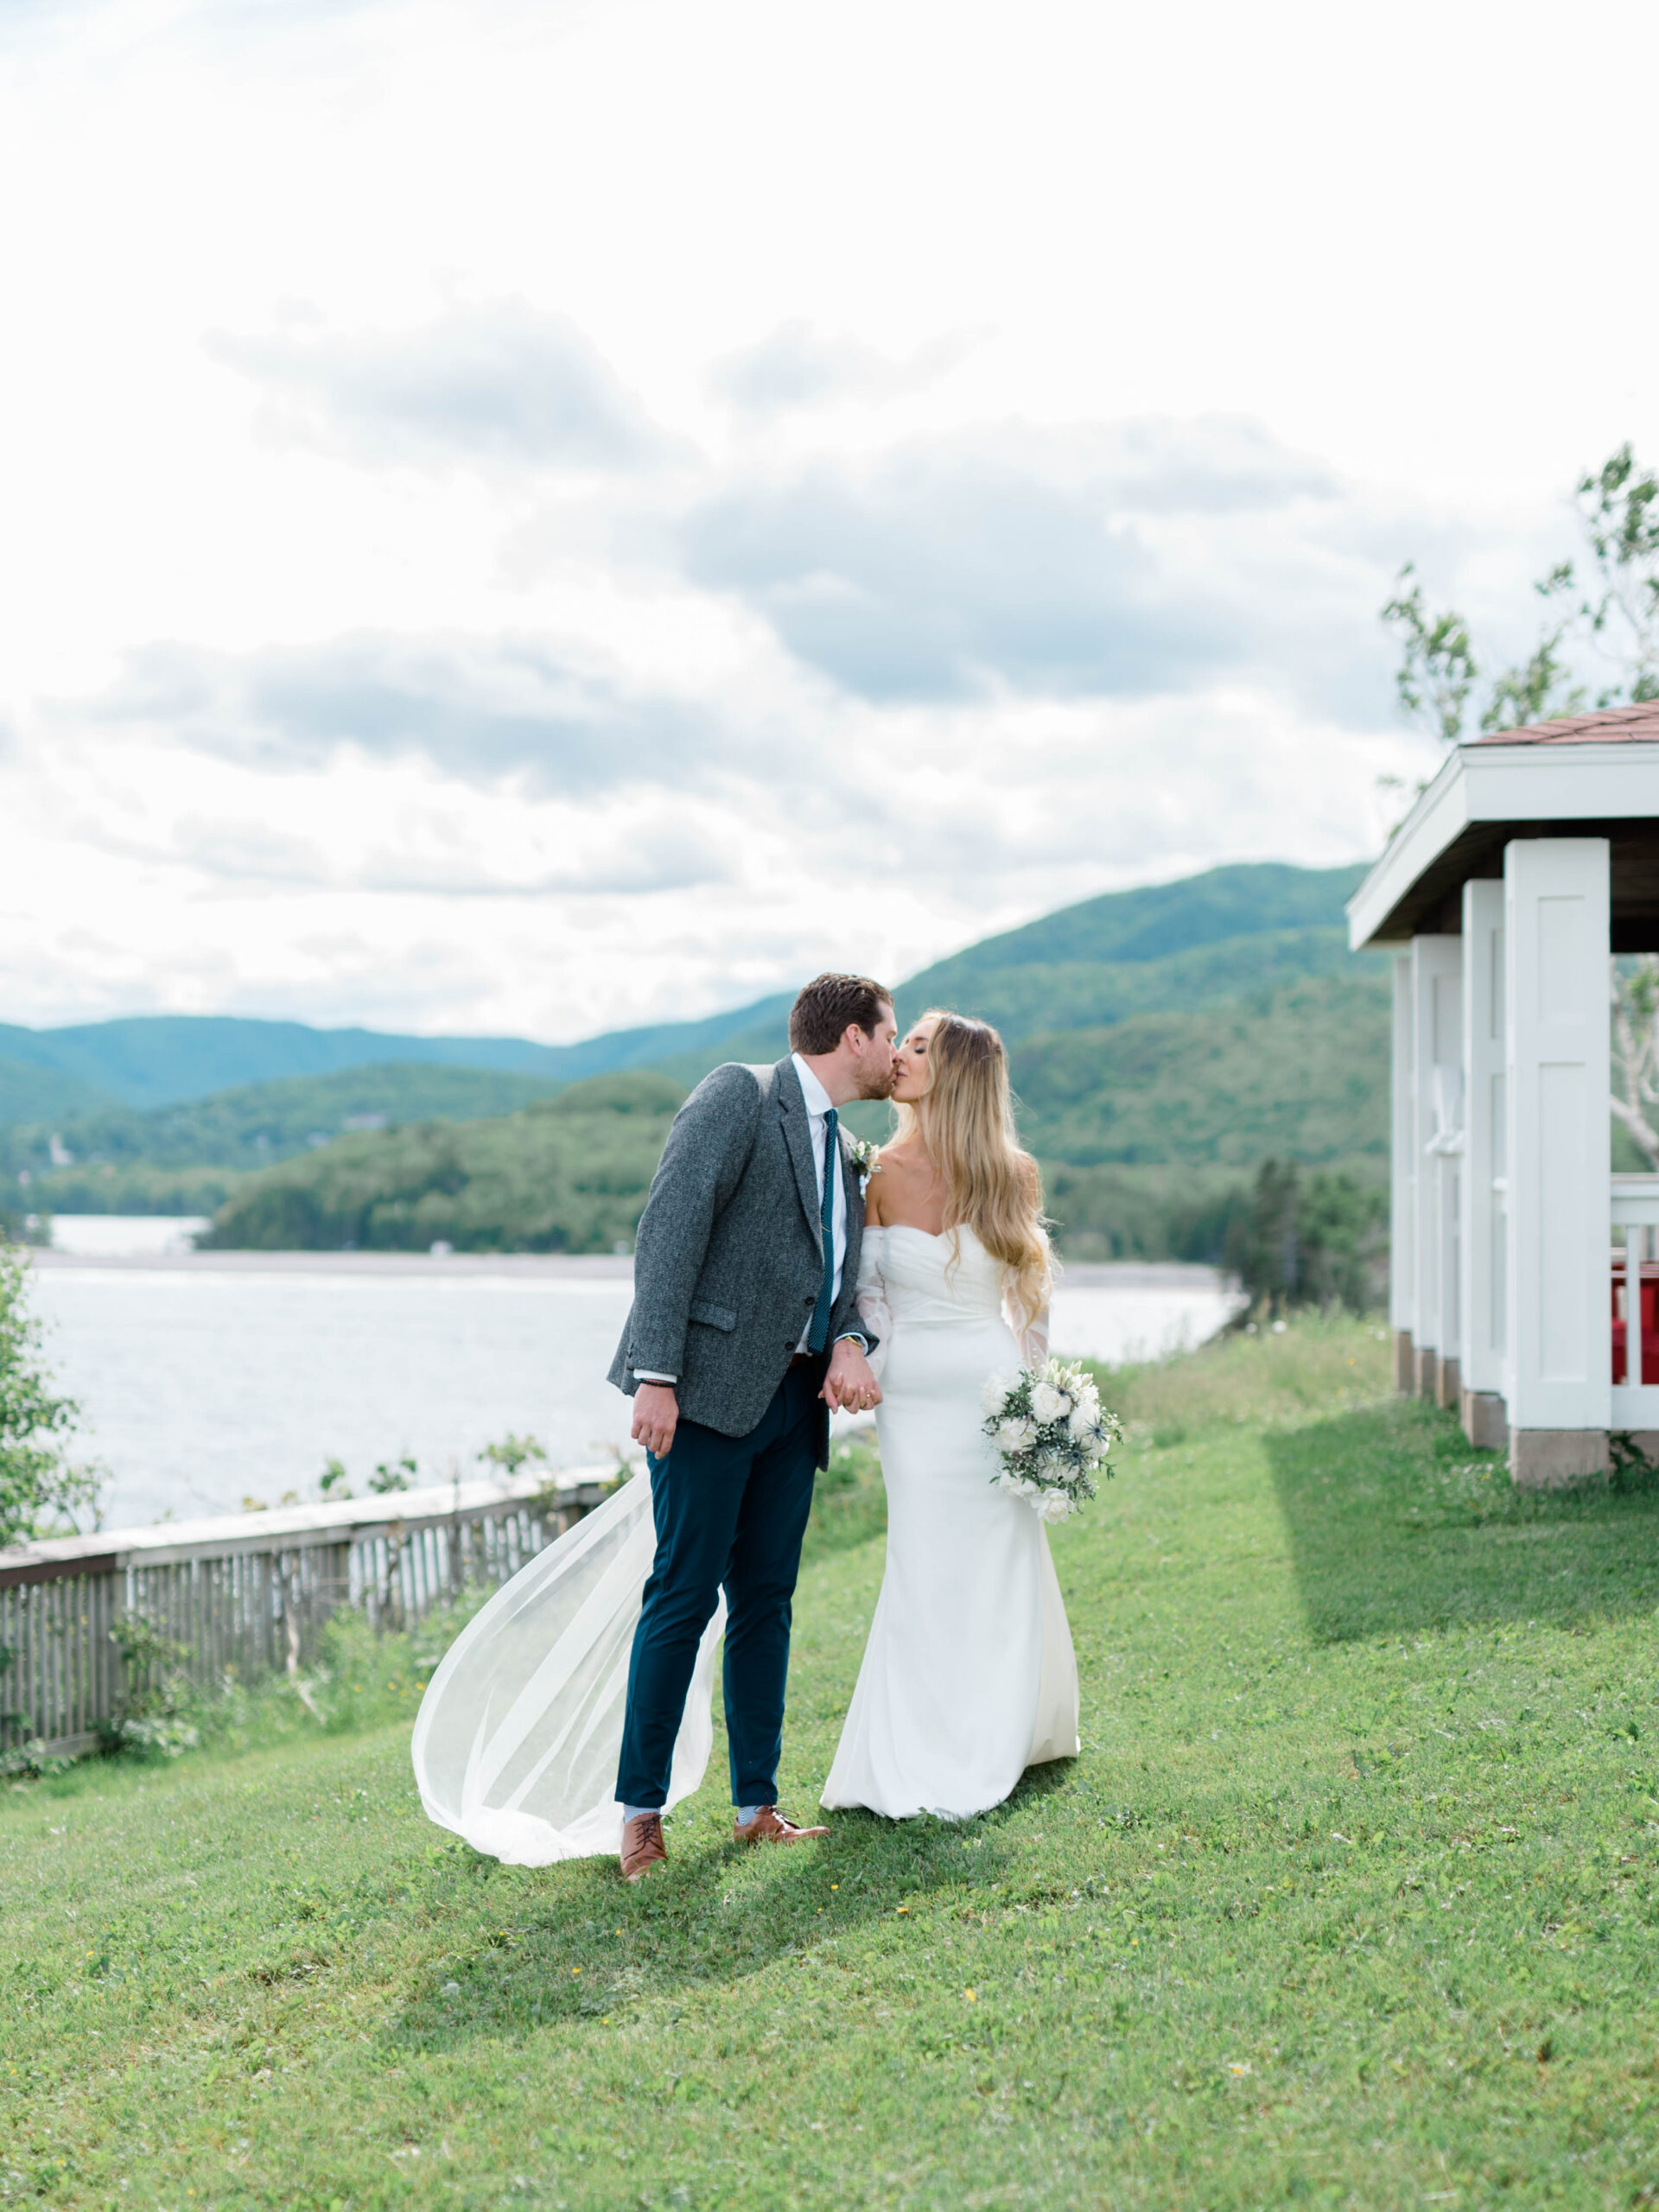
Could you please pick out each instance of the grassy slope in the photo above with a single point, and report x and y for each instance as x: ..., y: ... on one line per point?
x: 1349, y: 1900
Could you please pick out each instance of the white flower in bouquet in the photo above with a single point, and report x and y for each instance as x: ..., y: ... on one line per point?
x: 999, y: 1388
x: 1048, y: 1404
x: 1053, y: 1505
x: 1083, y: 1421
x: 1016, y: 1435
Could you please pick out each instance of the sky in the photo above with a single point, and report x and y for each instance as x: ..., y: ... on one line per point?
x: 531, y: 518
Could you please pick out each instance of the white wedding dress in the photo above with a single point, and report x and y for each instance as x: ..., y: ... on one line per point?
x: 516, y: 1743
x: 969, y: 1676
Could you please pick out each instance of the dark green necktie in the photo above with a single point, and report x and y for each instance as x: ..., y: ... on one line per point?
x: 820, y: 1329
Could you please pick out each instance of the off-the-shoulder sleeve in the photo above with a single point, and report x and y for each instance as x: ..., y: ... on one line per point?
x: 1034, y: 1342
x: 872, y: 1299
x: 1033, y: 1336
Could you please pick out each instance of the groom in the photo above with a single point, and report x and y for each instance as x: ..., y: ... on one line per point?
x: 742, y: 1336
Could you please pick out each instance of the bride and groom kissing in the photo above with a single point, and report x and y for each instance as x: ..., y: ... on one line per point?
x: 780, y: 1273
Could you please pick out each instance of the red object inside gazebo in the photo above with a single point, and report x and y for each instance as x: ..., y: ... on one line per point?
x: 1648, y: 1296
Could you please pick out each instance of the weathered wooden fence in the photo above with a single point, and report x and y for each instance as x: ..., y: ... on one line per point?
x: 245, y: 1596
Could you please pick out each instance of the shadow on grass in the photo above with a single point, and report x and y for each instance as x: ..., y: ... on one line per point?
x: 716, y: 1915
x: 1397, y: 1524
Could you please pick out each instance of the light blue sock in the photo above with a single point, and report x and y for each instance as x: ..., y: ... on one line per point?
x: 632, y: 1812
x: 744, y: 1813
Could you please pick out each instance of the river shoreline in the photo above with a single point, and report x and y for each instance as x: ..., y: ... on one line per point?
x: 580, y: 1267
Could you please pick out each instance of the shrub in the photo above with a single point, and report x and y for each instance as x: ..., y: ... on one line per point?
x: 39, y: 1486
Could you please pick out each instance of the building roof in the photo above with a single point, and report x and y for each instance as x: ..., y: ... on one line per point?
x: 1585, y: 776
x: 1637, y: 725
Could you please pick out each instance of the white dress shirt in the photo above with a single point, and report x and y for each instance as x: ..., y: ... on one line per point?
x: 818, y: 1103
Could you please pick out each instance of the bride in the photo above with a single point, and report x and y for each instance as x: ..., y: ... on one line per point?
x: 969, y: 1676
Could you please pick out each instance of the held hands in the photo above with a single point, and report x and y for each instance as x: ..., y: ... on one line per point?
x: 849, y: 1387
x: 656, y: 1416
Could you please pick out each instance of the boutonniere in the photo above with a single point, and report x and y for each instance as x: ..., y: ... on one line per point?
x: 865, y: 1161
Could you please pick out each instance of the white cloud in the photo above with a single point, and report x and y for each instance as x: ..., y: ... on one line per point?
x: 1009, y: 554
x: 510, y: 639
x: 501, y: 385
x: 797, y: 367
x: 483, y: 709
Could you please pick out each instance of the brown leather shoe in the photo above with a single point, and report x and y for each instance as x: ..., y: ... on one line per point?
x: 769, y: 1826
x: 642, y: 1845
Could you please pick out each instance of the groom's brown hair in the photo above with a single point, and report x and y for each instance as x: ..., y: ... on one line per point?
x: 826, y: 1006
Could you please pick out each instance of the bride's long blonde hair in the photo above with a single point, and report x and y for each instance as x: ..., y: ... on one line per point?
x: 964, y: 1119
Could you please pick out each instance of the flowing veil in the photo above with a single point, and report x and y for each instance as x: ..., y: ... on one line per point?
x: 516, y: 1742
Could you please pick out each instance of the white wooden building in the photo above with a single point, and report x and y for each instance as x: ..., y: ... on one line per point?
x: 1525, y: 1289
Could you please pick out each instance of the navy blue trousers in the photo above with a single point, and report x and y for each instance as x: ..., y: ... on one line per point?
x: 729, y: 1510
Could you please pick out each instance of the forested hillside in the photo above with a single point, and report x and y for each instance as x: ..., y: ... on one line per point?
x: 569, y: 1174
x: 187, y: 1158
x: 1300, y: 1072
x: 1169, y: 948
x: 31, y: 1093
x: 145, y: 1061
x: 1163, y: 1043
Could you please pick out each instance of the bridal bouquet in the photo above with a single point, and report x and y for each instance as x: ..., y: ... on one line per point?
x: 1053, y: 1435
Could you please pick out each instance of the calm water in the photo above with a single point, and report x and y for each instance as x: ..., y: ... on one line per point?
x: 206, y: 1383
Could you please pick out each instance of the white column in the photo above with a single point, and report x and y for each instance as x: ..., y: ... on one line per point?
x: 1556, y: 937
x: 1436, y: 1054
x: 1481, y: 1330
x: 1403, y: 1287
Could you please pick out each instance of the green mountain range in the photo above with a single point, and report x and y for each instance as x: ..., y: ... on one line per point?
x: 1052, y: 971
x: 145, y: 1061
x: 1163, y: 1042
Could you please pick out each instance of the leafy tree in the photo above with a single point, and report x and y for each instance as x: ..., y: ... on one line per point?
x: 1438, y: 667
x: 1635, y: 1049
x: 1315, y: 1243
x: 1618, y: 505
x: 1606, y: 611
x: 38, y: 1487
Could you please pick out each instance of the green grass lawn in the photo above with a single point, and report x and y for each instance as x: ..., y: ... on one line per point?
x: 1349, y: 1900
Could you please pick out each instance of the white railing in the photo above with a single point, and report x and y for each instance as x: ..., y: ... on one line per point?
x: 246, y: 1595
x: 1636, y: 1302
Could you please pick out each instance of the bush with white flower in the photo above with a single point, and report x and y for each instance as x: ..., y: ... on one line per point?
x: 1053, y: 1435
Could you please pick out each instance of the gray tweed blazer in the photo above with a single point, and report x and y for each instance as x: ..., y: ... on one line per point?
x: 729, y: 1256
